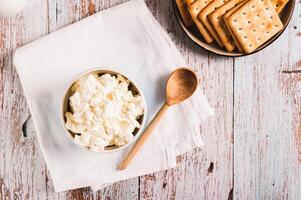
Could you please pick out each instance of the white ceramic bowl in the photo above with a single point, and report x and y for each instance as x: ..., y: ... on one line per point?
x: 133, y: 87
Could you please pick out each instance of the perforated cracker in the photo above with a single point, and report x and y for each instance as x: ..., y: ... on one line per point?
x: 219, y: 25
x: 230, y: 12
x: 195, y: 8
x: 254, y: 23
x: 203, y: 16
x: 184, y: 12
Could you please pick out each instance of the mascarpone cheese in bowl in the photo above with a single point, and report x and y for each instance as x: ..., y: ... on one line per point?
x: 103, y: 111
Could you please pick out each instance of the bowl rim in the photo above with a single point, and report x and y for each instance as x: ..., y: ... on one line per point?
x: 102, y: 70
x: 225, y: 53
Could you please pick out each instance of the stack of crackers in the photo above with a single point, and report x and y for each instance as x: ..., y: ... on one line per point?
x: 241, y: 25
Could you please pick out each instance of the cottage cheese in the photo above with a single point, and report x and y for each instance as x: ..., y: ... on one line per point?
x: 104, y: 111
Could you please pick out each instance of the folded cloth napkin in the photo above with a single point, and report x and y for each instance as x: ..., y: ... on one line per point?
x: 127, y: 39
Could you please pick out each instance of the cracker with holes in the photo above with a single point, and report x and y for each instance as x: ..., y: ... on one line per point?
x: 254, y: 23
x: 203, y: 16
x: 195, y: 8
x: 230, y: 12
x: 184, y: 12
x: 219, y: 25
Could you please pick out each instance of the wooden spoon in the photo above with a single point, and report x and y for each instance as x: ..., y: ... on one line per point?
x: 181, y: 85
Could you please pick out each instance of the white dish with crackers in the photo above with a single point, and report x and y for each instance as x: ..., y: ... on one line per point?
x: 233, y: 27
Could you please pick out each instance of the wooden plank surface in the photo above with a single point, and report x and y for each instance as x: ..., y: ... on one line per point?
x: 267, y: 114
x: 252, y: 145
x: 22, y: 168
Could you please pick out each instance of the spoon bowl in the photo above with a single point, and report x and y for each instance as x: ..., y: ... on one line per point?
x: 181, y: 85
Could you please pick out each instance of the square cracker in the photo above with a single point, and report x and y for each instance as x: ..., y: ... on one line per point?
x: 254, y: 23
x: 194, y: 9
x: 230, y: 12
x: 184, y: 12
x: 218, y: 23
x: 203, y: 16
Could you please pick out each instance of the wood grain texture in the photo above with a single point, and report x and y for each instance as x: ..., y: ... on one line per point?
x: 267, y: 120
x: 22, y: 169
x: 252, y: 146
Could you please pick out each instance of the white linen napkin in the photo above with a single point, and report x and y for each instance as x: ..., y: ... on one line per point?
x: 127, y: 39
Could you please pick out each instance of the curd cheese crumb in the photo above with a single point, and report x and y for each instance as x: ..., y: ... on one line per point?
x: 104, y: 111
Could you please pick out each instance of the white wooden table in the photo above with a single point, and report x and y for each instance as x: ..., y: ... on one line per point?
x: 252, y: 145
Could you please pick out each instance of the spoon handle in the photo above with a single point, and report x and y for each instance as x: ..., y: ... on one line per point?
x: 145, y: 135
